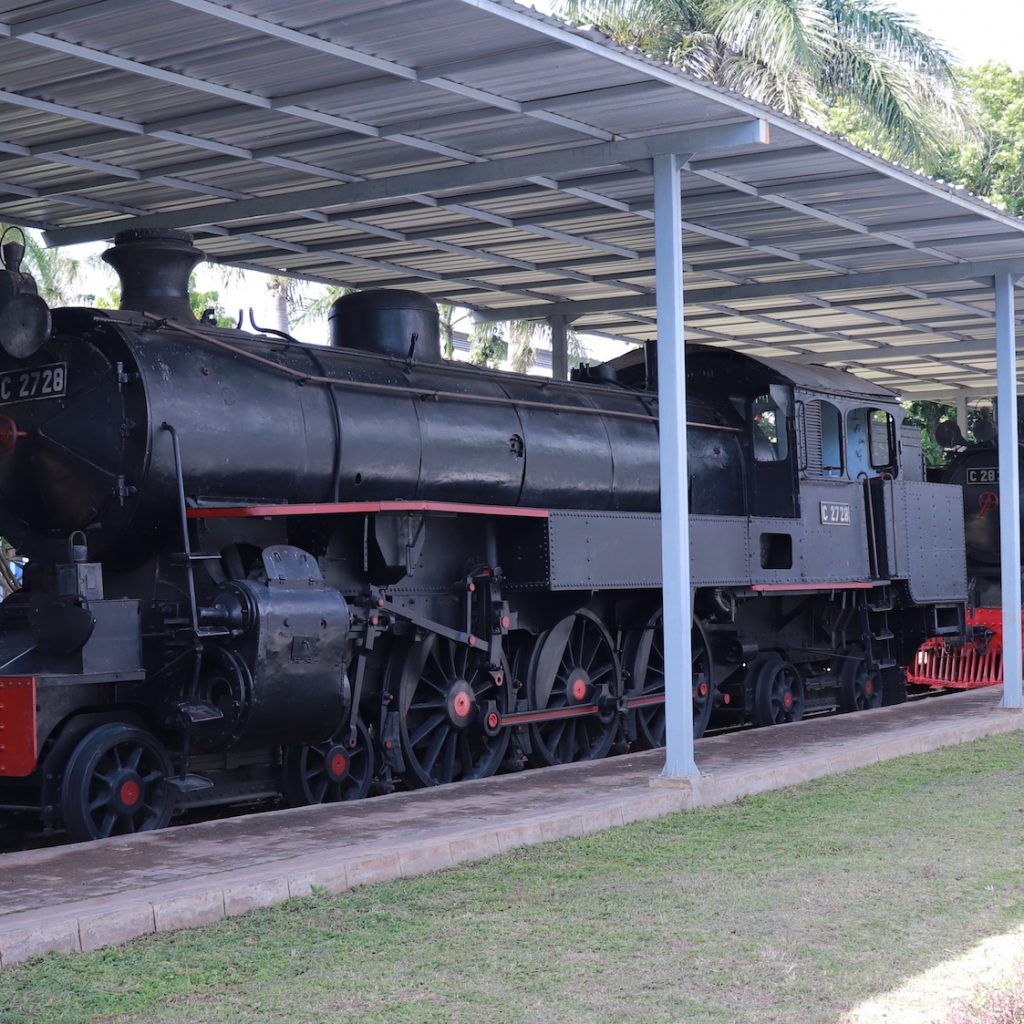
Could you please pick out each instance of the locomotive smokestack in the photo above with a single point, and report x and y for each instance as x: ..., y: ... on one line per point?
x: 154, y: 267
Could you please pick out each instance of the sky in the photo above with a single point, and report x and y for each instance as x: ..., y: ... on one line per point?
x: 994, y: 31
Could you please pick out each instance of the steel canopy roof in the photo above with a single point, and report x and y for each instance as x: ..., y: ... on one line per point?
x: 485, y: 154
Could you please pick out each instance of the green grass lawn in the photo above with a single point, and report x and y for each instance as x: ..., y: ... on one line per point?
x: 788, y: 907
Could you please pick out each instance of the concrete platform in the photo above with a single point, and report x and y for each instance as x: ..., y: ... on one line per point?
x: 99, y: 894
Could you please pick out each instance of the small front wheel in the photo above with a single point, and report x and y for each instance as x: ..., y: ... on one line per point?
x: 328, y: 772
x: 115, y: 783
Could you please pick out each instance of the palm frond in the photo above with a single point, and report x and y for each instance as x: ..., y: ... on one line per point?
x: 780, y: 34
x: 892, y: 32
x: 653, y: 26
x: 789, y: 92
x: 911, y: 111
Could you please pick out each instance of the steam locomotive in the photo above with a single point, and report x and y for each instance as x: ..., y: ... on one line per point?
x: 258, y: 567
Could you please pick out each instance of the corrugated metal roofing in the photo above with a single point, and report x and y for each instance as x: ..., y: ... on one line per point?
x: 485, y: 154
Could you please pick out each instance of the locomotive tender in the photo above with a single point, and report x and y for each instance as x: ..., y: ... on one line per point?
x: 257, y: 566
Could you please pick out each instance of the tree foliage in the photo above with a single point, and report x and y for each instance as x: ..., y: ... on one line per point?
x: 802, y: 57
x: 200, y: 302
x: 991, y: 165
x: 927, y: 416
x: 486, y: 346
x: 208, y: 300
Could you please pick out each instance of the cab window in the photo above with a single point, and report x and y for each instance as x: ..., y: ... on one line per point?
x: 870, y: 442
x: 770, y: 428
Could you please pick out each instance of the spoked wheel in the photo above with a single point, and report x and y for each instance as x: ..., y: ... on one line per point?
x: 778, y: 691
x: 574, y: 665
x: 328, y: 772
x: 646, y: 656
x: 444, y: 696
x: 859, y: 687
x: 115, y: 783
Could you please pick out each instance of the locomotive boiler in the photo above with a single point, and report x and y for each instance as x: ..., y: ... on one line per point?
x: 258, y: 567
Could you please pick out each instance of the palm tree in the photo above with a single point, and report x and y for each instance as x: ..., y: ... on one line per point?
x: 521, y: 335
x: 282, y: 295
x: 446, y: 322
x: 802, y: 57
x: 487, y: 347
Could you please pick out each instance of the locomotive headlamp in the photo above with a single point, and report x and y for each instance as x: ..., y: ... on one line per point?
x: 24, y: 316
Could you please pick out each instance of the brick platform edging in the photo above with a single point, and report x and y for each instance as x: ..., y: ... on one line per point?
x: 104, y: 921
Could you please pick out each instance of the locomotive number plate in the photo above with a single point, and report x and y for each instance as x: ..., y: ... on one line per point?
x: 983, y: 476
x: 835, y: 513
x: 42, y: 382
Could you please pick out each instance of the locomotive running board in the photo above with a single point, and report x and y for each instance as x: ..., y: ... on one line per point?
x: 771, y: 588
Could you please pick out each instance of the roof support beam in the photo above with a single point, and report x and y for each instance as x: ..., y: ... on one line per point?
x: 776, y: 198
x: 795, y: 286
x: 562, y: 161
x: 275, y: 30
x: 675, y: 534
x: 1009, y: 491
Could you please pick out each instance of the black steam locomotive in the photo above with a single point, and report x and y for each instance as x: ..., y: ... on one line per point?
x: 261, y: 567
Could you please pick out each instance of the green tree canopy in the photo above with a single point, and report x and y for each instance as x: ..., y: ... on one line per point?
x: 991, y: 165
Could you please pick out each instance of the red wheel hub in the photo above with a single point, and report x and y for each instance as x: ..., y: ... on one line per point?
x: 869, y: 688
x: 492, y: 721
x: 461, y: 704
x: 336, y: 763
x: 787, y: 699
x: 579, y: 689
x: 130, y: 793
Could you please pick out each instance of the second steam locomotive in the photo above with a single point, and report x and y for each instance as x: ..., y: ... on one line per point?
x: 261, y: 567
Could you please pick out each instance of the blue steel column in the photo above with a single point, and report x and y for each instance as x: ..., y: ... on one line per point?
x: 675, y: 536
x: 1009, y: 490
